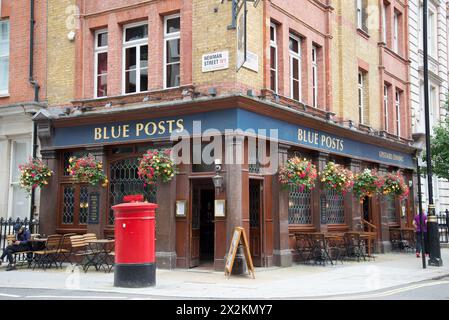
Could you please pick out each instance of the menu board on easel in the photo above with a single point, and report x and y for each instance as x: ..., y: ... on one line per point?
x: 239, y: 237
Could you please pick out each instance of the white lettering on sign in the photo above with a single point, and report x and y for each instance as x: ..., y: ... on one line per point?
x: 215, y: 61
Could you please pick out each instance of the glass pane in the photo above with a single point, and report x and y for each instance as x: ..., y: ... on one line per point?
x: 68, y: 209
x: 273, y: 80
x: 144, y: 56
x: 295, y: 68
x: 173, y: 51
x: 102, y: 86
x: 4, y: 74
x: 20, y: 203
x: 136, y: 33
x: 272, y: 34
x: 173, y: 79
x: 4, y: 30
x: 143, y: 79
x: 131, y: 82
x: 102, y: 63
x: 20, y: 156
x: 102, y: 39
x: 173, y: 25
x: 294, y: 45
x: 295, y: 90
x: 131, y: 58
x: 273, y: 57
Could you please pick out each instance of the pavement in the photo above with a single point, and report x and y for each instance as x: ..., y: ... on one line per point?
x: 297, y: 282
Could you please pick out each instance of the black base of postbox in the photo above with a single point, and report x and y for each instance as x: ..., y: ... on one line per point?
x: 135, y: 275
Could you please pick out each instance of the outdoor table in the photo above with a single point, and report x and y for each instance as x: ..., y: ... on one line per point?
x: 38, y: 243
x: 100, y: 250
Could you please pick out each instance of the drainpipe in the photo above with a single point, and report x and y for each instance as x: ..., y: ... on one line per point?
x: 35, y: 85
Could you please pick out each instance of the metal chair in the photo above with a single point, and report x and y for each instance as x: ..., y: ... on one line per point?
x: 46, y: 257
x: 63, y: 253
x: 355, y: 247
x: 303, y: 247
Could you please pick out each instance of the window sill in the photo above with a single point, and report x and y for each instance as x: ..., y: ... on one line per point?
x: 363, y: 33
x: 4, y: 96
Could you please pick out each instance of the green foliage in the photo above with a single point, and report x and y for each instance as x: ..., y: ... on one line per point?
x: 439, y: 150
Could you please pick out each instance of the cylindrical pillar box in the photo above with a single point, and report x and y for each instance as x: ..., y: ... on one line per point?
x: 135, y: 265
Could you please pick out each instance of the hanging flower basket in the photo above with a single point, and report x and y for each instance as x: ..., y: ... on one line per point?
x: 395, y: 186
x: 367, y: 184
x: 156, y: 164
x: 34, y: 174
x: 87, y: 170
x: 298, y: 172
x: 338, y: 178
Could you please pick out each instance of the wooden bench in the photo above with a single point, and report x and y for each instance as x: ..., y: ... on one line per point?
x: 20, y: 258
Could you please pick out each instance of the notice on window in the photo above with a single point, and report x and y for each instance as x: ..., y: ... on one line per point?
x: 215, y: 61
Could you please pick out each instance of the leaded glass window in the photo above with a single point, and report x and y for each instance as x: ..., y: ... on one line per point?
x: 391, y: 209
x: 299, y: 206
x: 68, y: 205
x: 335, y: 209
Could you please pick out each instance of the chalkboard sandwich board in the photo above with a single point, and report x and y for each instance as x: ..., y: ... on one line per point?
x: 239, y: 237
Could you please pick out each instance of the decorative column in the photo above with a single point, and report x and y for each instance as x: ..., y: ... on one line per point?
x: 282, y: 254
x: 319, y: 196
x: 97, y: 198
x: 237, y: 194
x: 49, y: 209
x: 384, y: 241
x: 166, y: 221
x: 353, y: 208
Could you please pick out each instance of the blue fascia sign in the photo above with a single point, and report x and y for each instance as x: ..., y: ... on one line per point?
x: 223, y: 120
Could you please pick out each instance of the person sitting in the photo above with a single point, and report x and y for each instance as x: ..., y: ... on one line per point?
x: 21, y: 244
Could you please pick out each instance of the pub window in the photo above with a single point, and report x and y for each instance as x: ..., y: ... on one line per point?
x: 299, y: 206
x: 101, y: 64
x: 391, y: 209
x: 135, y: 52
x: 172, y: 40
x: 295, y: 67
x: 273, y: 59
x: 4, y: 57
x: 335, y: 210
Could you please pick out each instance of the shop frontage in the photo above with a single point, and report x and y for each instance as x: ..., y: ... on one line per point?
x: 195, y: 218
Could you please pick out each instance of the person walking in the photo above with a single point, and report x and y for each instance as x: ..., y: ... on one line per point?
x: 421, y: 227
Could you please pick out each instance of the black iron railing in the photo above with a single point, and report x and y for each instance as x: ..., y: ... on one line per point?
x: 443, y: 226
x: 7, y: 227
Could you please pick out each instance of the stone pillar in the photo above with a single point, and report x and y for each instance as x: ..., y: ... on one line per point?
x: 319, y: 196
x: 282, y: 255
x: 353, y: 208
x: 99, y: 154
x: 237, y: 194
x: 384, y: 241
x: 49, y: 206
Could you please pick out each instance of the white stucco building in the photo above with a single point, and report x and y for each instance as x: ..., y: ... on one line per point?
x: 438, y: 77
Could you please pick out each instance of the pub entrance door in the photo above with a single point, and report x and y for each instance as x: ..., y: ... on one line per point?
x: 255, y: 215
x: 202, y: 235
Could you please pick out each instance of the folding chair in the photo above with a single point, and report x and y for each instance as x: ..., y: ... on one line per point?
x: 63, y: 253
x: 303, y: 247
x: 354, y: 246
x: 46, y: 257
x: 79, y: 249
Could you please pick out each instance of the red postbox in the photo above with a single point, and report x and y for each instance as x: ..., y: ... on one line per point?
x: 135, y: 263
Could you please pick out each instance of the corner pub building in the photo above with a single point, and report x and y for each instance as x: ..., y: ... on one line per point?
x: 117, y: 127
x: 253, y: 197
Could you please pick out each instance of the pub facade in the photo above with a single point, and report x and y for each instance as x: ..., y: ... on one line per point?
x: 169, y: 74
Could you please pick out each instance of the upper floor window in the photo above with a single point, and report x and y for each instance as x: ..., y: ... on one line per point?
x: 295, y: 67
x: 384, y: 22
x: 386, y: 118
x: 4, y: 57
x: 398, y: 113
x: 315, y: 76
x: 172, y: 63
x: 361, y: 97
x: 361, y: 14
x: 396, y: 31
x: 431, y: 33
x: 101, y: 64
x: 135, y: 62
x: 273, y: 59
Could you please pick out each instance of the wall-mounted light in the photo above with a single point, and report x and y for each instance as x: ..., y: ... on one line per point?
x: 71, y: 36
x: 218, y: 179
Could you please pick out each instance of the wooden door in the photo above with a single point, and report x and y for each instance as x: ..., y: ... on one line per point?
x: 195, y: 228
x: 74, y: 208
x: 256, y: 209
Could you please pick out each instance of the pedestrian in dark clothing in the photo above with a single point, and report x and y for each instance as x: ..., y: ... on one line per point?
x: 21, y: 244
x: 421, y: 227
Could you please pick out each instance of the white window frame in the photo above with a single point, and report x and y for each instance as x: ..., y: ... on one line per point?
x: 168, y: 37
x: 6, y: 91
x: 398, y: 113
x: 273, y: 44
x: 315, y: 76
x: 138, y: 44
x: 11, y: 181
x: 384, y: 22
x: 396, y: 32
x: 297, y: 56
x: 98, y: 50
x: 432, y: 33
x: 386, y: 108
x: 361, y: 96
x: 359, y: 16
